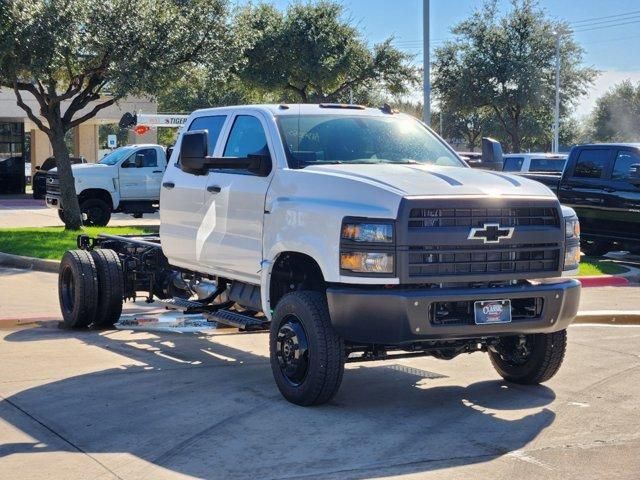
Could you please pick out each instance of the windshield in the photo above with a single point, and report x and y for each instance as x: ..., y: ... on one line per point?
x: 115, y: 156
x: 322, y: 139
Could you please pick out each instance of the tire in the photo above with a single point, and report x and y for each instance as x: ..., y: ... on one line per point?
x: 78, y: 289
x: 110, y: 287
x: 596, y: 248
x: 301, y: 324
x: 95, y: 212
x: 546, y: 353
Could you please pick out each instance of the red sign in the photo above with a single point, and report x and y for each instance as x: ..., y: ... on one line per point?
x: 141, y: 129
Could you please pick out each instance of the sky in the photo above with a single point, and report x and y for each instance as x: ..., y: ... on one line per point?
x: 609, y: 31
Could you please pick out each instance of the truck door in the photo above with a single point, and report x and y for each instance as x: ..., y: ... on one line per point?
x: 622, y: 195
x: 232, y: 228
x: 138, y: 175
x: 583, y: 188
x: 182, y: 200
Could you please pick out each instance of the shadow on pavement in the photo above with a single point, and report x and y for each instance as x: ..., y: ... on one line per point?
x: 196, y: 407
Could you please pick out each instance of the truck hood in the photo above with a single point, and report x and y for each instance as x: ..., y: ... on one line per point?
x: 90, y: 169
x: 420, y: 180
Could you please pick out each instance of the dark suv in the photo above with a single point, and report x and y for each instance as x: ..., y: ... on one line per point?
x: 39, y: 180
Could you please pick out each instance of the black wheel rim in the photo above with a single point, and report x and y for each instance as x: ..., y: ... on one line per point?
x: 292, y: 350
x: 68, y: 289
x: 93, y: 216
x: 515, y: 353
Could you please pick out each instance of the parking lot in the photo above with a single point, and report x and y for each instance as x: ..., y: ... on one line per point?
x: 99, y: 404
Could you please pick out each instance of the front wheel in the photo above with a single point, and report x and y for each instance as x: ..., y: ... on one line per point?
x: 95, y: 212
x: 529, y: 359
x: 307, y: 356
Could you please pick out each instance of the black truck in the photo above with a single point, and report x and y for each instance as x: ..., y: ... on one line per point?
x: 601, y: 182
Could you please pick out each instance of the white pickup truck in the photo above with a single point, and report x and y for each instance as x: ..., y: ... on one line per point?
x: 126, y: 180
x: 353, y: 234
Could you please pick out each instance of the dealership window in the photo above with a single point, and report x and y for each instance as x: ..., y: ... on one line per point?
x: 591, y: 163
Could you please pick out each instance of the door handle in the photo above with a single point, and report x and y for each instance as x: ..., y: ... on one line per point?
x: 168, y: 185
x: 609, y: 189
x: 157, y: 171
x: 213, y: 189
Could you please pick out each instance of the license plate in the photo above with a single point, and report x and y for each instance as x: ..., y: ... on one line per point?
x: 492, y: 311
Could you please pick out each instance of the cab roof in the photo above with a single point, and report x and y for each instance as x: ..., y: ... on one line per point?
x: 285, y: 109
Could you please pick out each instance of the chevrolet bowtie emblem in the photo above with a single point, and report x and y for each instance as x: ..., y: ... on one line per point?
x: 490, y: 233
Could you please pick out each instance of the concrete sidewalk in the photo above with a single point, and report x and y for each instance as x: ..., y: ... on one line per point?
x: 27, y: 212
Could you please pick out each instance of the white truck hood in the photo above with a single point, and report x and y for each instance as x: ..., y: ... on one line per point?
x: 91, y: 169
x: 419, y: 180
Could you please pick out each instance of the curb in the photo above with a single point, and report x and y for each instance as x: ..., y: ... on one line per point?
x: 608, y: 317
x: 603, y: 281
x: 29, y: 263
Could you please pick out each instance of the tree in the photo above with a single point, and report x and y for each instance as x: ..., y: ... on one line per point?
x: 507, y: 64
x: 77, y: 57
x: 616, y: 116
x: 311, y: 54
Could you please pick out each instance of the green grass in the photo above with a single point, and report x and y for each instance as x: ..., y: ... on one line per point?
x: 591, y: 266
x: 52, y: 242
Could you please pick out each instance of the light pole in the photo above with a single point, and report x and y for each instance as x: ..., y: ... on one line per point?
x: 426, y: 67
x: 555, y: 144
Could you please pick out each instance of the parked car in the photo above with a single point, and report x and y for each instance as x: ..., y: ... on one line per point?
x: 127, y: 180
x: 353, y: 234
x: 602, y: 183
x: 40, y: 177
x: 534, y: 162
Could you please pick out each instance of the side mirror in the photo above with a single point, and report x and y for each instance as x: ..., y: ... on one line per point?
x: 193, y: 150
x: 169, y: 152
x: 257, y: 163
x: 491, y: 154
x: 139, y: 160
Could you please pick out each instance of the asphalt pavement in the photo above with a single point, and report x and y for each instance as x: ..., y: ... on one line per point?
x: 139, y: 405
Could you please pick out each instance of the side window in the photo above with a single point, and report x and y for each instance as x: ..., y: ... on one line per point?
x: 149, y: 158
x: 546, y: 165
x: 512, y: 164
x: 247, y: 137
x: 591, y: 163
x: 213, y: 125
x: 627, y: 166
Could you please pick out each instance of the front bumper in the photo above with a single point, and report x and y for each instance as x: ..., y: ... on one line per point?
x: 399, y: 316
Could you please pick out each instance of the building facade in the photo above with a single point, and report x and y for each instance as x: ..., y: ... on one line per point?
x: 22, y: 142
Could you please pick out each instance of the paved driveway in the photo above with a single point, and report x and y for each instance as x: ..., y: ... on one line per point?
x: 134, y: 405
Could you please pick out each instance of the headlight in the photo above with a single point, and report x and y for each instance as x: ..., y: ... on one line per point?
x: 367, y: 262
x: 572, y: 227
x: 367, y: 232
x: 571, y: 257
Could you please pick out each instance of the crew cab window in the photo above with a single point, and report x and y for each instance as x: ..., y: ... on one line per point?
x: 512, y: 164
x: 591, y: 163
x: 627, y: 166
x: 247, y: 137
x: 213, y: 125
x: 546, y: 165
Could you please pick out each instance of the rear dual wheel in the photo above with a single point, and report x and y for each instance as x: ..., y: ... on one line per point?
x: 90, y: 288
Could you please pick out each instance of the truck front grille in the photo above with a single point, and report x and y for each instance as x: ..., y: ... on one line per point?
x: 53, y: 184
x: 474, y: 217
x: 456, y: 260
x: 438, y: 241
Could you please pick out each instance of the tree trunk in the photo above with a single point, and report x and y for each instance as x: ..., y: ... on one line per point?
x: 68, y: 198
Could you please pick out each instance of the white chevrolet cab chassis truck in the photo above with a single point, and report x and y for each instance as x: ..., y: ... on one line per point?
x: 126, y: 180
x: 352, y: 234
